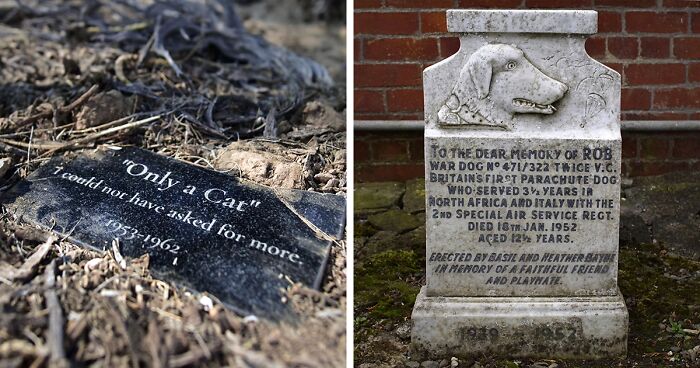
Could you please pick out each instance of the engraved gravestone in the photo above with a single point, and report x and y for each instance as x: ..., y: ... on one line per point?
x: 241, y: 242
x: 522, y: 147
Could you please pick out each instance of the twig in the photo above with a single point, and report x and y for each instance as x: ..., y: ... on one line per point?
x: 41, y: 146
x: 55, y: 337
x: 81, y: 100
x: 94, y: 136
x: 29, y: 146
x: 113, y: 122
x: 29, y: 267
x: 42, y: 115
x: 11, y: 150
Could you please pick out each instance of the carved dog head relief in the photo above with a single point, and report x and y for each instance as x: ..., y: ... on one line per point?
x: 495, y: 83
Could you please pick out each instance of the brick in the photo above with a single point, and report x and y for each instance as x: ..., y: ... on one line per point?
x: 560, y: 4
x: 387, y: 23
x: 415, y: 149
x: 695, y: 22
x: 635, y: 99
x: 655, y: 47
x: 653, y: 148
x: 390, y: 172
x: 433, y: 22
x: 627, y: 3
x: 365, y: 4
x: 623, y: 47
x: 387, y: 75
x: 694, y: 72
x: 394, y: 150
x: 686, y: 47
x: 595, y: 47
x: 490, y: 4
x: 653, y: 22
x: 686, y: 147
x: 629, y: 147
x: 616, y: 67
x: 369, y: 101
x: 639, y: 74
x: 652, y: 168
x: 401, y: 49
x: 609, y: 21
x: 681, y: 3
x: 357, y: 52
x: 448, y: 46
x: 422, y: 4
x: 677, y: 98
x: 361, y: 151
x: 405, y: 100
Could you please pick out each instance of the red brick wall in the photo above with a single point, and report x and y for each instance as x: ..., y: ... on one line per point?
x: 654, y: 44
x: 392, y: 156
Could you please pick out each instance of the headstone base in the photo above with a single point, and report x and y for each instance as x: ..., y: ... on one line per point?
x: 532, y: 327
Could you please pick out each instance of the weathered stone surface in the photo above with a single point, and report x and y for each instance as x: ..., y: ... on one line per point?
x: 394, y: 220
x: 414, y: 198
x: 523, y: 21
x: 376, y: 196
x: 523, y: 155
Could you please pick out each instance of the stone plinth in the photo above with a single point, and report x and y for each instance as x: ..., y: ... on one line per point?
x: 523, y: 152
x: 565, y: 327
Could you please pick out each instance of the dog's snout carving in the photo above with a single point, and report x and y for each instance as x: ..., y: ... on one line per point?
x: 495, y: 83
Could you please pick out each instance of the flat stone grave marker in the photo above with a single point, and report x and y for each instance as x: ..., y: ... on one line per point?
x: 522, y: 147
x: 241, y: 242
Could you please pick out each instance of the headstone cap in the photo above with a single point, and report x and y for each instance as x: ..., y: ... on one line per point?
x: 522, y: 21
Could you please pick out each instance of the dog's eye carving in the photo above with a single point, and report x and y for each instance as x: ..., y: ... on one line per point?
x: 511, y: 65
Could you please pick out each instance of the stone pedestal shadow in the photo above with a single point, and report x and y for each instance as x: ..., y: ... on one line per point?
x: 523, y: 152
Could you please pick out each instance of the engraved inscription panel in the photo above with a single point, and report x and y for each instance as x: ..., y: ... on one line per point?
x: 522, y: 216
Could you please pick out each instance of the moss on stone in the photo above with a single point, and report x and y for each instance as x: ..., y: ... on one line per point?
x: 395, y: 220
x: 373, y: 196
x: 386, y: 285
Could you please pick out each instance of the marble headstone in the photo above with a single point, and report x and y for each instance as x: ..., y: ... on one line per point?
x: 522, y: 151
x: 241, y: 242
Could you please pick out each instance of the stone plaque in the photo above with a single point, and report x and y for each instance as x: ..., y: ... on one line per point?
x: 522, y: 151
x: 241, y: 242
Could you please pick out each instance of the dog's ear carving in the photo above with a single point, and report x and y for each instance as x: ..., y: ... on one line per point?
x: 480, y: 74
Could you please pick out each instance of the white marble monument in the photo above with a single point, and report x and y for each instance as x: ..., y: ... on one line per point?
x: 522, y: 151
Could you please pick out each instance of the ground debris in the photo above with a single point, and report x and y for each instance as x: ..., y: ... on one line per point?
x: 189, y: 57
x: 124, y: 317
x: 103, y: 108
x: 29, y: 267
